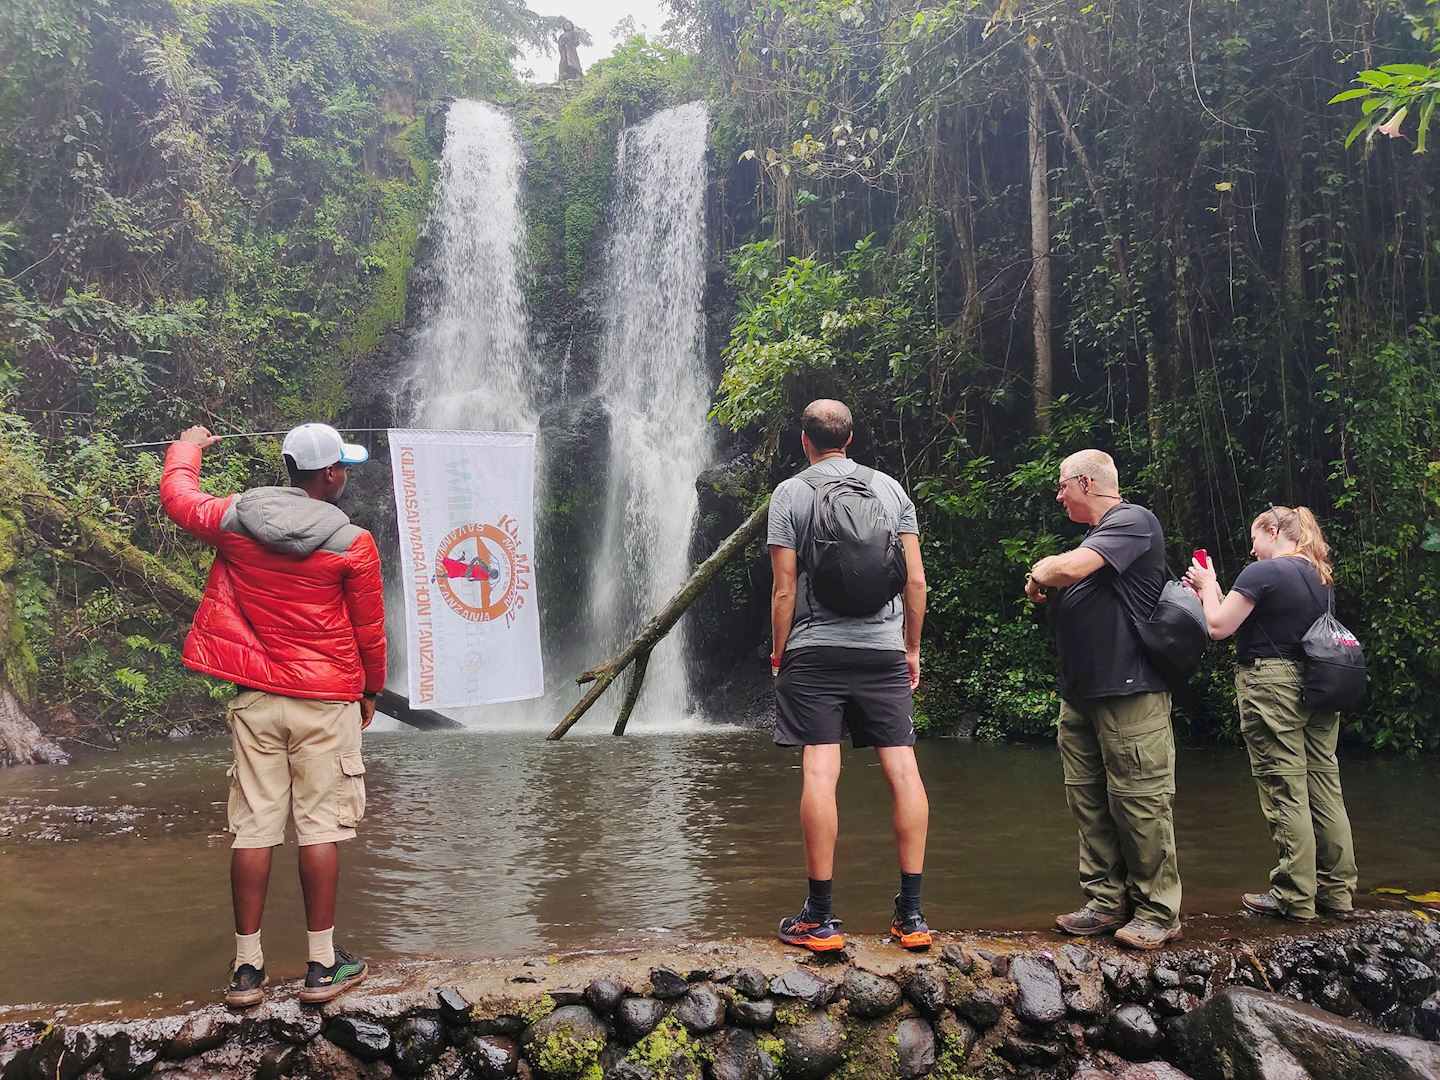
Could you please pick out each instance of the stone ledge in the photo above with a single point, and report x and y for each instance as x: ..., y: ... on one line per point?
x: 983, y: 1005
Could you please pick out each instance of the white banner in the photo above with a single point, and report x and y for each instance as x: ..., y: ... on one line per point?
x: 465, y: 503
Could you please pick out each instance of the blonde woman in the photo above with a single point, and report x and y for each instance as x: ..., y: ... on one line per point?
x: 1292, y: 747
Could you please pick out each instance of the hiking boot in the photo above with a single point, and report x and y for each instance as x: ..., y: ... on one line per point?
x: 247, y: 987
x: 1339, y: 913
x: 1087, y: 922
x: 1264, y: 903
x: 323, y: 983
x: 1139, y: 934
x: 817, y: 935
x: 909, y: 930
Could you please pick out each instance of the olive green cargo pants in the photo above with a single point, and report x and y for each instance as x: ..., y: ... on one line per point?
x: 1292, y: 757
x: 1119, y: 760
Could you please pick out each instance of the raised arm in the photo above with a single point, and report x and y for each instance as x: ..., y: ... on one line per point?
x: 182, y: 500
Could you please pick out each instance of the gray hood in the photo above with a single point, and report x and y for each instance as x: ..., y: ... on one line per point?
x: 286, y: 520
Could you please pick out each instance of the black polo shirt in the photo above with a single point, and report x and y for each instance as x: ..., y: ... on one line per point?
x: 1100, y: 652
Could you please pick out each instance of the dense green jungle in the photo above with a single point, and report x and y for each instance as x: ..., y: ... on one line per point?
x: 1000, y: 229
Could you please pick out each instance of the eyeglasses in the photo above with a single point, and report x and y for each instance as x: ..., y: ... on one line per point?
x: 1066, y: 479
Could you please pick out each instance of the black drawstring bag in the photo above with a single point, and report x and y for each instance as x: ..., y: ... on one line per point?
x: 1175, y: 634
x: 1335, y: 678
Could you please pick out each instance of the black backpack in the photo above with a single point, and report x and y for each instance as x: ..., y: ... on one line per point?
x: 853, y: 560
x: 1175, y: 633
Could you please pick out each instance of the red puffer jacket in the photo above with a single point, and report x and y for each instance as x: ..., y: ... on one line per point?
x: 294, y: 604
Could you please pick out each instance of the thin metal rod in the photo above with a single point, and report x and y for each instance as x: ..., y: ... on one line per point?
x: 248, y: 435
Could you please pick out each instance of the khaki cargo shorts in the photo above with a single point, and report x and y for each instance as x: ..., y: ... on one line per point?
x: 294, y: 756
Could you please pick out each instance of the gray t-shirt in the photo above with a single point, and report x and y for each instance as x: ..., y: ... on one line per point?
x: 815, y: 624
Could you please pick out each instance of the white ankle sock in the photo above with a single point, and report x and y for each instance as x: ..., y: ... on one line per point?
x: 247, y: 951
x: 322, y: 946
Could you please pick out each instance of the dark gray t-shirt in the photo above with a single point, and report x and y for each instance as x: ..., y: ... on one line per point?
x: 1288, y: 597
x: 1100, y: 652
x: 814, y: 623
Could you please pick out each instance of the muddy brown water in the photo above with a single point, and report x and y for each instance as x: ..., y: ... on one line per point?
x: 113, y: 871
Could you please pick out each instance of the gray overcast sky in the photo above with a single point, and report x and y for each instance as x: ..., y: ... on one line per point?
x: 599, y: 18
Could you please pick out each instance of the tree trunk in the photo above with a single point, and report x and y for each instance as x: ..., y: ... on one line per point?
x: 1044, y: 384
x: 660, y: 623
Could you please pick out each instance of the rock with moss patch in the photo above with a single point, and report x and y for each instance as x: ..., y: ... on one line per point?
x: 702, y: 1010
x: 564, y: 1043
x: 636, y: 1017
x: 738, y: 1057
x: 492, y: 1057
x: 813, y: 1049
x: 869, y: 996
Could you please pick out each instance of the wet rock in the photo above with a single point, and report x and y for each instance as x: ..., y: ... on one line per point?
x: 1414, y: 980
x: 981, y: 1006
x: 1150, y: 1070
x: 636, y: 1017
x: 1088, y: 1000
x: 603, y: 995
x: 702, y: 1010
x: 737, y: 1056
x: 321, y: 1059
x: 1133, y: 1032
x: 128, y: 1055
x: 1166, y: 978
x: 278, y: 1059
x: 365, y: 1039
x: 1175, y: 1002
x: 492, y: 1057
x: 1203, y: 964
x: 1128, y: 979
x: 291, y: 1024
x: 999, y: 963
x: 454, y: 1009
x: 1243, y: 1034
x: 804, y: 985
x: 1020, y: 1050
x: 630, y: 1070
x: 870, y: 996
x: 750, y: 982
x: 418, y: 1042
x: 512, y: 1027
x: 1195, y: 984
x: 927, y: 991
x: 1078, y: 956
x: 915, y: 1047
x: 813, y: 1049
x: 1427, y: 1018
x: 699, y: 975
x: 569, y: 995
x: 1038, y: 1001
x: 1373, y: 986
x: 572, y: 1025
x: 752, y: 1014
x: 667, y: 983
x: 1334, y: 996
x: 954, y: 955
x: 64, y: 1053
x: 200, y: 1032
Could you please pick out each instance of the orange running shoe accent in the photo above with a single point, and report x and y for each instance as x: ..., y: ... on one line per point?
x: 817, y: 944
x: 918, y: 940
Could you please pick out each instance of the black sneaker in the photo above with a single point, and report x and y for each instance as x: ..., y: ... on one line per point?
x: 322, y: 983
x: 247, y: 987
x: 909, y: 931
x: 817, y: 935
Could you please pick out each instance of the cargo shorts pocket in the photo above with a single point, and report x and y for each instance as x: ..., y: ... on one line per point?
x: 350, y: 790
x: 235, y: 806
x: 1148, y: 755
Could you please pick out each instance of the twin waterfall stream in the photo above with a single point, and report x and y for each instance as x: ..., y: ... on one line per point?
x: 474, y: 364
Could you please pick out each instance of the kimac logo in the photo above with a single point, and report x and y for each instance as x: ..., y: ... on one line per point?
x: 482, y: 574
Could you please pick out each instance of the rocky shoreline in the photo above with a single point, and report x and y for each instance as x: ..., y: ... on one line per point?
x: 1349, y: 999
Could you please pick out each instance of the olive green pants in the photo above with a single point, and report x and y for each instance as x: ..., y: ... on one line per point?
x: 1119, y: 760
x: 1292, y: 757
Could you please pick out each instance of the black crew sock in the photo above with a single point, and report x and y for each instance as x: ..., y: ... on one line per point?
x: 818, y: 904
x: 908, y: 902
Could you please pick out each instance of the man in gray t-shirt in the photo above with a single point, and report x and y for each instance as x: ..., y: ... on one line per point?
x: 831, y: 668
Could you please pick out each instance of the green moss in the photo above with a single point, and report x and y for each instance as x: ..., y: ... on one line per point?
x: 658, y: 1049
x: 794, y: 1012
x: 563, y: 1057
x: 774, y: 1048
x: 538, y: 1009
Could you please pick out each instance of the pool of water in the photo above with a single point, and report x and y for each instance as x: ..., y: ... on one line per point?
x: 113, y: 871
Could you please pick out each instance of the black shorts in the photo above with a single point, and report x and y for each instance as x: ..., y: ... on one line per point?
x: 822, y: 687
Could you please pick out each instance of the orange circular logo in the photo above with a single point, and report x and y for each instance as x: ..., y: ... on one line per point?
x: 478, y: 573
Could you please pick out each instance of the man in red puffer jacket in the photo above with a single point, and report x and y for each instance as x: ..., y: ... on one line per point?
x: 294, y: 615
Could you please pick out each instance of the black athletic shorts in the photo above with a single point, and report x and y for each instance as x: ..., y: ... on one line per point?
x: 820, y: 687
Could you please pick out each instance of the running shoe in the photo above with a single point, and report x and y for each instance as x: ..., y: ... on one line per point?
x: 323, y: 983
x: 909, y: 930
x: 247, y: 987
x: 817, y: 935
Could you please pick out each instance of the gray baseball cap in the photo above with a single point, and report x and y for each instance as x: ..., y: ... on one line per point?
x: 314, y: 446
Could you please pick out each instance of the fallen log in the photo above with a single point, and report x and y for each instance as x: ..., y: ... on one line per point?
x: 639, y: 649
x: 392, y: 704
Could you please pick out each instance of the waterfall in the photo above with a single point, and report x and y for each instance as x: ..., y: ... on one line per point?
x: 655, y: 390
x: 473, y: 365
